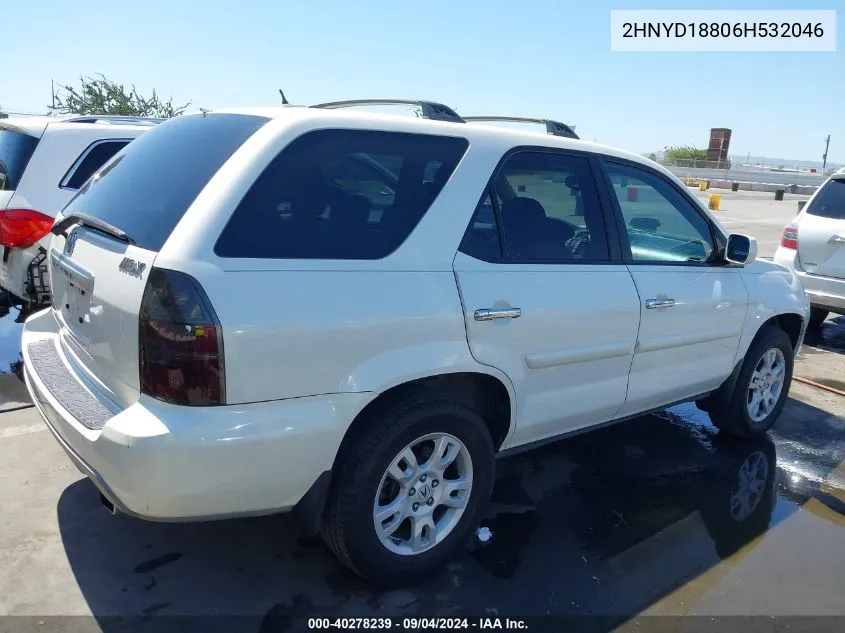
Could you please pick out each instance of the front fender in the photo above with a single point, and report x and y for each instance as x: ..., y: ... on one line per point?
x: 772, y: 291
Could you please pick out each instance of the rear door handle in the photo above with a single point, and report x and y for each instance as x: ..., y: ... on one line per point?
x: 488, y: 314
x: 837, y: 239
x: 651, y: 304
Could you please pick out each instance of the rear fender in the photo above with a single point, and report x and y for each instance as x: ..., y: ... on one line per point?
x: 403, y: 365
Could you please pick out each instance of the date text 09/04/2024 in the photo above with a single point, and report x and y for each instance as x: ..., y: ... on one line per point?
x: 416, y: 624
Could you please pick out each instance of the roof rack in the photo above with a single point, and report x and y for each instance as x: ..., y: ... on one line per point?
x: 555, y: 128
x: 430, y: 109
x: 114, y: 119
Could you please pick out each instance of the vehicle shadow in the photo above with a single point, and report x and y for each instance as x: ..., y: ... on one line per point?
x: 598, y: 526
x: 829, y: 337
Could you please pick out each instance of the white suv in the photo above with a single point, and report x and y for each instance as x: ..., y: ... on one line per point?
x: 43, y: 162
x: 813, y: 246
x: 351, y: 314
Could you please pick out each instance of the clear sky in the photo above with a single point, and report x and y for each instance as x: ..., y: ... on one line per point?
x: 541, y: 58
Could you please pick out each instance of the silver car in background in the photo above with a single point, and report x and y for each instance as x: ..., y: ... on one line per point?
x: 813, y: 245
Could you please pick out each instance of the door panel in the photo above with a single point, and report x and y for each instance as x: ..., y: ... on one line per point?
x: 821, y: 245
x: 568, y: 353
x: 688, y: 347
x: 692, y: 307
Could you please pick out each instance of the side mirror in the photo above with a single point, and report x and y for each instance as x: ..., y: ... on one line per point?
x: 741, y: 250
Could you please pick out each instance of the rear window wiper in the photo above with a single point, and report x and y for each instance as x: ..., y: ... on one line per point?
x: 83, y: 219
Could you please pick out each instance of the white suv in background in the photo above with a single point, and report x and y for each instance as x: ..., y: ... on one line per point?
x: 350, y: 315
x: 813, y: 246
x: 43, y: 162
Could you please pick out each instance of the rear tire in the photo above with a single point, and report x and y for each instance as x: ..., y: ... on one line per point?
x: 761, y: 389
x: 394, y: 513
x: 817, y: 317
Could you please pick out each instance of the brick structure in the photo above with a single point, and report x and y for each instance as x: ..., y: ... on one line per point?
x: 717, y: 150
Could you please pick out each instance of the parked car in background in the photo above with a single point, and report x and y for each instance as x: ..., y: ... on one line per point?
x: 813, y: 246
x: 43, y: 162
x: 350, y: 315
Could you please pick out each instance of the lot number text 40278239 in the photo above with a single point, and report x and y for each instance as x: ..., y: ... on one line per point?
x: 416, y: 624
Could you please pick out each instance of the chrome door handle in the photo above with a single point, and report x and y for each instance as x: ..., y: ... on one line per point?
x: 487, y: 314
x: 837, y: 239
x: 650, y: 304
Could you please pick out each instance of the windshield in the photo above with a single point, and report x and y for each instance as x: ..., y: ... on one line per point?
x: 16, y: 149
x: 147, y: 187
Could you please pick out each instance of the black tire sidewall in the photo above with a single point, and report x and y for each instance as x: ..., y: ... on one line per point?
x: 368, y: 554
x: 771, y: 338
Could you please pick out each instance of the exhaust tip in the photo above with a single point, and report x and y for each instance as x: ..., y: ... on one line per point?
x: 108, y: 504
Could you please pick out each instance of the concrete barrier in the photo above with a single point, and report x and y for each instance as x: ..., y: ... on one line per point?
x: 765, y: 187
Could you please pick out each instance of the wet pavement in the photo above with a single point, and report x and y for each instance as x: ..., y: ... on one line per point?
x: 659, y: 515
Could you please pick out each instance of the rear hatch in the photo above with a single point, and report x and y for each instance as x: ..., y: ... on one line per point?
x: 109, y: 234
x: 821, y: 231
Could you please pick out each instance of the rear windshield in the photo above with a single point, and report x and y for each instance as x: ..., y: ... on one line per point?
x: 16, y: 149
x: 341, y: 194
x: 146, y: 189
x: 830, y: 200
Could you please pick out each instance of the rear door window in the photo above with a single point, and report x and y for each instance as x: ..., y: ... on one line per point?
x: 550, y: 210
x: 146, y: 189
x: 830, y: 201
x: 341, y: 194
x: 16, y: 148
x: 95, y: 156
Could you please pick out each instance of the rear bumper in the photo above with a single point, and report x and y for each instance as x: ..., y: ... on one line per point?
x: 15, y: 278
x: 824, y: 292
x: 164, y: 462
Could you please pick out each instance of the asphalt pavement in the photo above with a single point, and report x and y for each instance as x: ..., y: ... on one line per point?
x: 756, y: 213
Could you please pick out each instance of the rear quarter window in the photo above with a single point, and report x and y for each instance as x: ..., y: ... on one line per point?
x: 830, y: 200
x: 147, y: 187
x: 90, y: 160
x: 16, y: 148
x: 341, y: 194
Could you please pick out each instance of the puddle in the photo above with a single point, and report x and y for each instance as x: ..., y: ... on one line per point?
x: 501, y: 555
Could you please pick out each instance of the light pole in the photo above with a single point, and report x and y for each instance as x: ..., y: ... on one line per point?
x: 824, y: 156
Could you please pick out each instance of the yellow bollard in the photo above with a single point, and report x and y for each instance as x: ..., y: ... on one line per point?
x: 702, y: 185
x: 715, y: 199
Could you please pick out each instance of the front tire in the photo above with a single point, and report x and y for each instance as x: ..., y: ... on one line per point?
x: 410, y: 488
x: 761, y: 388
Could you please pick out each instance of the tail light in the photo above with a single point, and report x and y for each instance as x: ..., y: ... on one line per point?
x: 790, y: 237
x: 180, y: 342
x: 20, y: 228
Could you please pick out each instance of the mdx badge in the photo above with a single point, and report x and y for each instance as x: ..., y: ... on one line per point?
x: 131, y: 267
x: 70, y: 244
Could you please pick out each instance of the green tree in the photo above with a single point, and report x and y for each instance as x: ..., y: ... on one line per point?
x: 683, y: 154
x: 99, y: 95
